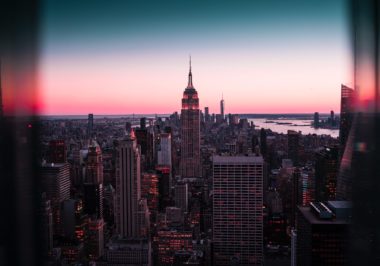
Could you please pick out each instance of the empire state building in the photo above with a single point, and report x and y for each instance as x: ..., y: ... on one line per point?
x: 190, y: 131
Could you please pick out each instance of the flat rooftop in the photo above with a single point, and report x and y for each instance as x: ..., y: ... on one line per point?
x: 314, y: 219
x: 237, y: 159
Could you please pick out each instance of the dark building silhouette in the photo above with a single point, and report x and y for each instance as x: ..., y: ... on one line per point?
x: 322, y: 233
x: 57, y: 151
x: 293, y: 145
x: 326, y: 171
x: 90, y: 125
x: 263, y: 142
x: 346, y: 115
x: 55, y: 181
x: 93, y: 183
x: 316, y: 119
x: 190, y: 132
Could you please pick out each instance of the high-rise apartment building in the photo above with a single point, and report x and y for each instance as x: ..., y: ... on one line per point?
x: 190, y: 132
x: 164, y: 154
x: 346, y: 115
x: 238, y: 210
x: 55, y: 180
x: 127, y: 187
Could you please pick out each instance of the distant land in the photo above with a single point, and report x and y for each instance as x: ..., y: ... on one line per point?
x: 305, y: 116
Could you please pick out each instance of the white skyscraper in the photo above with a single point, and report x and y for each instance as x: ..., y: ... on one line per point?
x: 237, y: 210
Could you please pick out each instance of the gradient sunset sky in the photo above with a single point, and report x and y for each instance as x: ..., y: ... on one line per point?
x: 123, y: 57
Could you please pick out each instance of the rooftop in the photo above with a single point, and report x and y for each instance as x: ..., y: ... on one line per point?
x: 237, y: 159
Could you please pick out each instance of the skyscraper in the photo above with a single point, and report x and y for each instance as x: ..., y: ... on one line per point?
x: 93, y: 183
x: 55, y: 179
x: 90, y: 125
x: 346, y: 115
x: 222, y: 107
x: 326, y: 171
x: 293, y: 145
x: 127, y: 186
x: 165, y: 151
x: 190, y: 132
x: 237, y: 210
x: 207, y: 114
x: 323, y: 233
x: 316, y: 119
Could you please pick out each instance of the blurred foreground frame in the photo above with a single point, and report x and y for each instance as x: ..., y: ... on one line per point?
x: 364, y: 147
x: 21, y: 240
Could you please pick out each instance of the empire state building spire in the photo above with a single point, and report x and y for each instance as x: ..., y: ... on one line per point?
x: 190, y: 132
x: 190, y: 83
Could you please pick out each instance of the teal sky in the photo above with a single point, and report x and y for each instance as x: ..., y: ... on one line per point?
x: 113, y: 57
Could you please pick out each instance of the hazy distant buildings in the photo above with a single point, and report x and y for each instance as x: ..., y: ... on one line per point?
x: 222, y: 108
x: 316, y: 119
x: 90, y: 125
x: 207, y: 114
x: 237, y: 210
x: 190, y: 132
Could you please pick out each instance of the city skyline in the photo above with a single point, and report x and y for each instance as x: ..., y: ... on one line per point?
x: 135, y: 61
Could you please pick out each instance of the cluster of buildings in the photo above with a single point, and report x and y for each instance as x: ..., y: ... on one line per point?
x: 192, y: 189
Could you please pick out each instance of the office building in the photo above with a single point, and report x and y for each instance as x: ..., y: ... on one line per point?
x: 238, y: 210
x: 346, y: 115
x: 326, y: 171
x: 164, y: 154
x: 93, y: 182
x: 293, y: 146
x: 95, y: 239
x: 57, y: 151
x: 127, y: 186
x: 181, y: 196
x: 190, y: 132
x: 55, y: 181
x: 322, y: 233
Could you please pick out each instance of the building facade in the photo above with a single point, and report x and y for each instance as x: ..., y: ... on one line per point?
x: 238, y: 210
x: 190, y: 132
